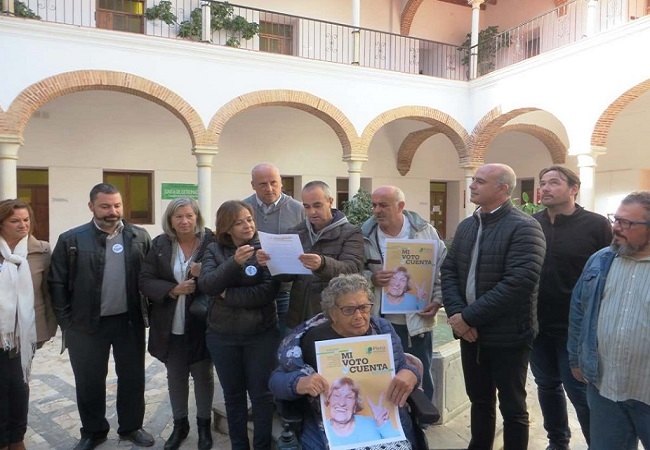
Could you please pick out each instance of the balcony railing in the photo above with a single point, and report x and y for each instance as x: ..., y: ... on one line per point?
x: 563, y: 25
x: 278, y: 33
x: 333, y: 42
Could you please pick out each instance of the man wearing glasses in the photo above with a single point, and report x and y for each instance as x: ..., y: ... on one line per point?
x: 572, y: 235
x: 609, y: 335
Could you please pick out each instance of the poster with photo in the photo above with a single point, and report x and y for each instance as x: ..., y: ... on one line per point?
x: 412, y: 263
x: 356, y: 412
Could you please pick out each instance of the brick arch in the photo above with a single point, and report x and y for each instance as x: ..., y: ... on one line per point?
x: 551, y: 141
x: 440, y: 123
x: 48, y: 89
x: 487, y: 129
x: 601, y: 130
x: 303, y: 101
x: 408, y: 13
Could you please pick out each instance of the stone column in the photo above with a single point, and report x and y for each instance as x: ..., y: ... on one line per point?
x: 587, y: 168
x: 204, y: 155
x: 473, y: 51
x: 9, y: 146
x: 592, y: 18
x: 206, y: 26
x: 354, y: 176
x: 469, y: 170
x: 8, y: 7
x: 356, y: 21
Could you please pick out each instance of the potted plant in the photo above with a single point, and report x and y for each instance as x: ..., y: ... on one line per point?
x: 359, y: 208
x: 489, y: 42
x: 222, y: 17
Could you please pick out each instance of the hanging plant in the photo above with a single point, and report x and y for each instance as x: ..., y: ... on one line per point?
x: 222, y: 17
x: 488, y: 45
x: 161, y: 11
x: 22, y: 10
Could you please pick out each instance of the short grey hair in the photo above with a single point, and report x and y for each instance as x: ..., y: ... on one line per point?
x: 508, y: 177
x: 341, y: 285
x: 171, y: 209
x: 318, y: 184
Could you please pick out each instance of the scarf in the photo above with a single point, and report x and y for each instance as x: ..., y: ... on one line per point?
x: 17, y: 317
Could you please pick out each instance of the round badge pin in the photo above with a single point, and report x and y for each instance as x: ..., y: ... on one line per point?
x: 118, y: 248
x: 250, y: 270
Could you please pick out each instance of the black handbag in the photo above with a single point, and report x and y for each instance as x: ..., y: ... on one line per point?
x: 200, y: 306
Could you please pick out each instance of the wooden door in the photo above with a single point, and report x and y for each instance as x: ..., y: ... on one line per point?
x: 438, y: 207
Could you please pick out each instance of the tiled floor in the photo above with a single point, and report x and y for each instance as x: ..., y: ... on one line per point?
x: 54, y: 420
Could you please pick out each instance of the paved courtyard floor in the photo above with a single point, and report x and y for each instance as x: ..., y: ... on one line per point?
x: 54, y: 420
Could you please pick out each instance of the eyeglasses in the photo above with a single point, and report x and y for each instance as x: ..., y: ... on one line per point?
x: 351, y: 310
x: 624, y: 223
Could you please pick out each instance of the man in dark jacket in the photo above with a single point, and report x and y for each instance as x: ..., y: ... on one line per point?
x: 93, y: 281
x: 274, y: 212
x: 572, y: 236
x: 489, y: 289
x: 332, y: 247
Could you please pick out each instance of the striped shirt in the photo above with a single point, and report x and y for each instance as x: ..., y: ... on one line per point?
x: 624, y: 332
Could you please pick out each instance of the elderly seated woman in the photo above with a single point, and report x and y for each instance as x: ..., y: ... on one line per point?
x: 346, y: 313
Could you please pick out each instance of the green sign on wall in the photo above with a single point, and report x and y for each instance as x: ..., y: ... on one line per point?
x: 171, y: 191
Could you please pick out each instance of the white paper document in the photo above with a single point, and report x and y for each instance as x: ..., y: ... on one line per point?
x: 284, y: 250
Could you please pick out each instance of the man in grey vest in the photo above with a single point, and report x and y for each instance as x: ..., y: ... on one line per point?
x: 275, y: 213
x: 93, y: 281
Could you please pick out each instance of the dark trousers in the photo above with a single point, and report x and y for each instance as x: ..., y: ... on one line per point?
x: 89, y: 354
x: 421, y: 346
x: 244, y: 365
x: 549, y: 362
x: 14, y: 399
x: 489, y: 371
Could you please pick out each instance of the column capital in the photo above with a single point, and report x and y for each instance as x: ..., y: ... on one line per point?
x: 12, y: 139
x: 204, y: 154
x: 475, y: 3
x: 355, y: 158
x: 587, y: 157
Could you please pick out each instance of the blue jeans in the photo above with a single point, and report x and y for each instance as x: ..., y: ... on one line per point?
x: 244, y: 365
x: 422, y: 347
x: 549, y: 362
x: 617, y: 425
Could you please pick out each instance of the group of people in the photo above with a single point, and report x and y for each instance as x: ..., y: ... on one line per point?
x: 507, y: 285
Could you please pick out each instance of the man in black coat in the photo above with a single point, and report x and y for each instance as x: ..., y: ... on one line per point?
x: 489, y: 289
x: 572, y: 234
x: 93, y: 281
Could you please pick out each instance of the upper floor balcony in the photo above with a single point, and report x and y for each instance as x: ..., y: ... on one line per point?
x: 262, y: 30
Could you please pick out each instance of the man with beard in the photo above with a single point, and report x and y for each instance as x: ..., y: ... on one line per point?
x: 572, y: 235
x: 609, y: 336
x: 93, y: 281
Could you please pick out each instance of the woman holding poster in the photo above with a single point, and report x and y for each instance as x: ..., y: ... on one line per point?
x: 346, y: 313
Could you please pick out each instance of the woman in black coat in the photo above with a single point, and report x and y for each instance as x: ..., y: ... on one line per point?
x: 243, y: 333
x: 175, y: 337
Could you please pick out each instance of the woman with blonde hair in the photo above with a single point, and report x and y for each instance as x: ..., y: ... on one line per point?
x: 26, y: 317
x: 168, y: 279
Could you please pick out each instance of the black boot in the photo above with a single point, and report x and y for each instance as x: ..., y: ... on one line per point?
x: 180, y: 432
x: 205, y: 433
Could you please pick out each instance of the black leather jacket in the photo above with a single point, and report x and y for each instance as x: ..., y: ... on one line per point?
x: 77, y: 271
x: 510, y: 261
x: 244, y: 294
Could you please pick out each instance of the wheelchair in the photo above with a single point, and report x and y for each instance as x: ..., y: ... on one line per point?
x: 420, y: 408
